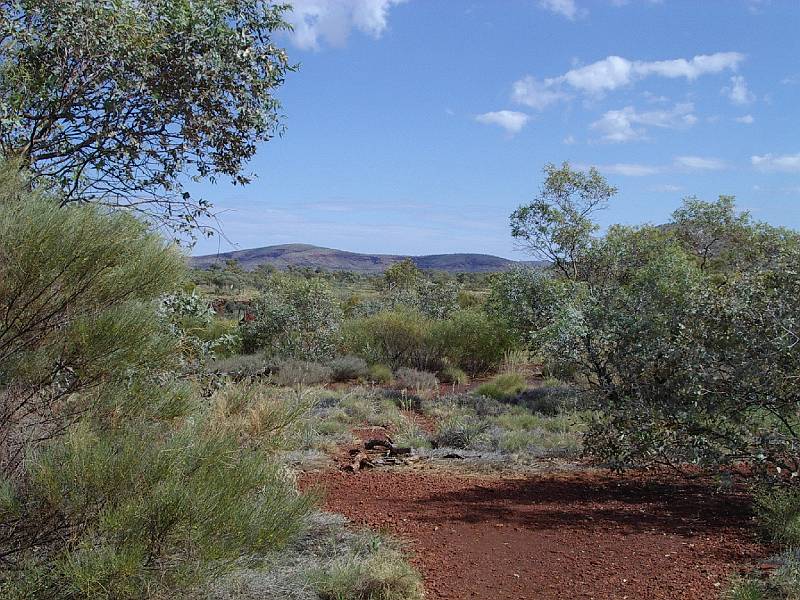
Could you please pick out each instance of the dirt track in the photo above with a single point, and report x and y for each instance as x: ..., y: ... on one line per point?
x: 575, y: 535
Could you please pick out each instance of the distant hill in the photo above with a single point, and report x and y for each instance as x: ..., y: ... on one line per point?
x: 328, y: 259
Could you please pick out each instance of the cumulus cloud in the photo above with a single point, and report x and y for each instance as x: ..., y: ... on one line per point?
x: 566, y: 8
x: 789, y: 163
x: 333, y: 20
x: 738, y: 92
x: 700, y: 163
x: 628, y: 124
x: 746, y: 119
x: 614, y: 72
x: 510, y: 120
x: 536, y: 94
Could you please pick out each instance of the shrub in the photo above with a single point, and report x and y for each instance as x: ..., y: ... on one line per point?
x: 291, y: 372
x: 470, y: 340
x: 459, y: 431
x: 454, y: 375
x: 778, y: 514
x: 115, y: 482
x: 548, y: 399
x: 504, y: 386
x: 397, y: 338
x: 294, y: 318
x: 240, y: 366
x: 380, y: 574
x: 380, y: 374
x: 348, y: 368
x: 415, y: 380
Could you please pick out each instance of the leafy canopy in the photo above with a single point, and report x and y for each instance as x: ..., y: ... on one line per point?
x: 119, y: 102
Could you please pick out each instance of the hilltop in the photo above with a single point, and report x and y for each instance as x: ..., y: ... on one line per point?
x: 328, y: 259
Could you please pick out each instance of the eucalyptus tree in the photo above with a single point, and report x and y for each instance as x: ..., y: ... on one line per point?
x: 122, y: 102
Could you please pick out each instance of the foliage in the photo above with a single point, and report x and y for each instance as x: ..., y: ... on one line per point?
x: 117, y: 102
x: 471, y: 340
x: 294, y: 318
x: 503, y: 386
x: 523, y: 300
x: 557, y: 226
x: 192, y: 320
x: 396, y: 338
x: 240, y: 366
x: 380, y: 374
x: 778, y: 514
x: 402, y: 275
x: 116, y: 481
x: 292, y: 372
x: 416, y: 380
x: 454, y: 375
x: 349, y: 368
x: 377, y: 572
x: 688, y: 360
x: 76, y: 311
x: 459, y: 431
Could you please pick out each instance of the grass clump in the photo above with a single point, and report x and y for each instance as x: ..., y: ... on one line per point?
x: 293, y: 373
x: 504, y: 386
x: 454, y: 375
x: 349, y: 368
x: 240, y: 366
x: 459, y: 431
x: 380, y: 374
x: 416, y: 380
x: 778, y: 513
x: 377, y: 571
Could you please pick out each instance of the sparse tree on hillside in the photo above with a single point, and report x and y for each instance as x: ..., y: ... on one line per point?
x: 558, y: 226
x: 402, y: 275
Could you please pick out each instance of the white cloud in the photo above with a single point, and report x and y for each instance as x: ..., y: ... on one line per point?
x: 789, y: 163
x: 510, y: 120
x: 738, y: 93
x: 614, y: 72
x: 628, y: 124
x: 700, y: 163
x: 667, y: 188
x: 333, y: 20
x: 629, y: 169
x: 536, y: 94
x: 569, y: 140
x: 566, y: 8
x: 679, y: 163
x: 746, y: 119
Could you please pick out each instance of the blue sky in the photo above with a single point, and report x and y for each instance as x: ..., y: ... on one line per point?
x: 417, y: 126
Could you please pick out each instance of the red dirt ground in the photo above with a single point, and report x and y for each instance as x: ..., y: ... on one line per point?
x: 563, y: 535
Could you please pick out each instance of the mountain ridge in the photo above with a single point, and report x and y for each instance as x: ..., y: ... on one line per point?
x: 284, y: 256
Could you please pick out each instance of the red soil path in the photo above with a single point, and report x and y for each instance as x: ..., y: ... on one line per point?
x: 563, y: 535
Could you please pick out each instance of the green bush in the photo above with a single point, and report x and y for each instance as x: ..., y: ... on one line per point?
x: 454, y: 375
x: 348, y: 368
x: 397, y: 338
x: 380, y: 374
x: 294, y: 318
x: 778, y: 514
x: 472, y: 341
x: 504, y: 386
x: 116, y: 481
